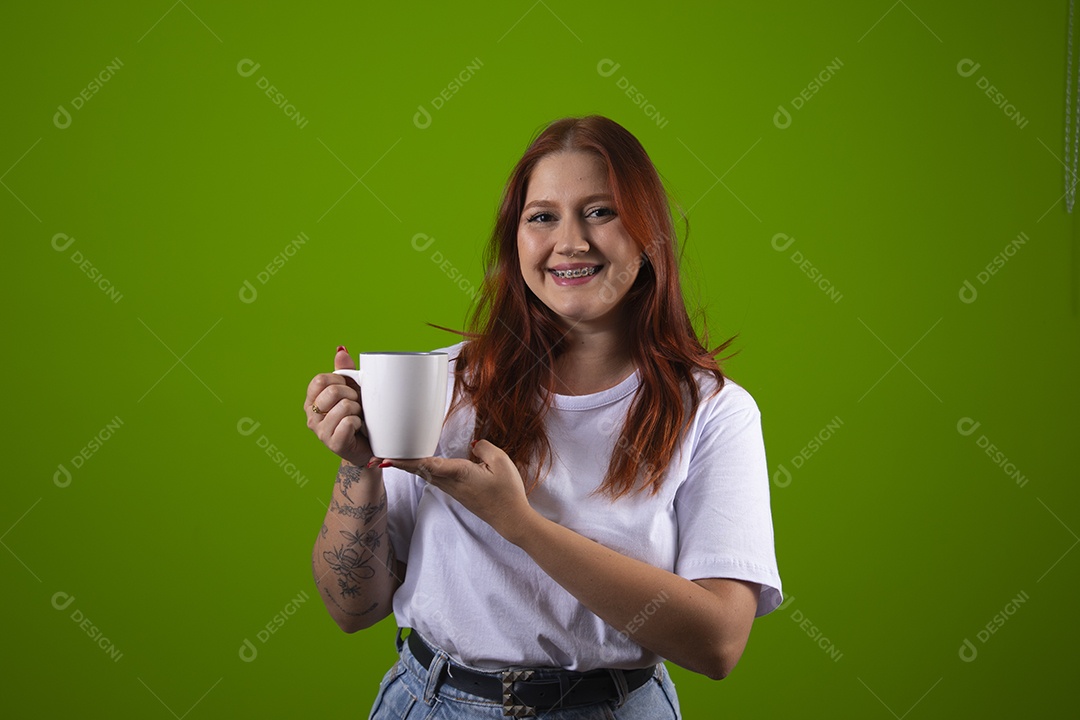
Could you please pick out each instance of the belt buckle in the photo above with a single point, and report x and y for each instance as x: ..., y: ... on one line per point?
x: 512, y: 708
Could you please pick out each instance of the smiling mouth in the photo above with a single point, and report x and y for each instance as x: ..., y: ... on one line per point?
x: 576, y: 272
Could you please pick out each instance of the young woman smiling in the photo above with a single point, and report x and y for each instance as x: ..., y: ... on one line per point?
x: 599, y: 501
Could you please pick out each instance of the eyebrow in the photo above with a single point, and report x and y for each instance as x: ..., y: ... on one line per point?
x: 585, y: 201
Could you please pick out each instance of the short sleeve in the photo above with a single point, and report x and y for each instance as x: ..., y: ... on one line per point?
x: 723, y: 508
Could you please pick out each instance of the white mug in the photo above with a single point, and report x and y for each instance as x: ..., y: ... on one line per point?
x: 403, y: 395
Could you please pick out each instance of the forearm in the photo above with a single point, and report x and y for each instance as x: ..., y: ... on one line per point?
x: 353, y: 561
x: 673, y: 617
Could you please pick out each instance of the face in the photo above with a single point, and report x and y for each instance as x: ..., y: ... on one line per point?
x: 569, y: 208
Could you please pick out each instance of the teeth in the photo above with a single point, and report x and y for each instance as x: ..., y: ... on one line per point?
x: 579, y: 272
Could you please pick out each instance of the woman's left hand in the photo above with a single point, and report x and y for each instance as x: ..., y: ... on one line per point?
x: 491, y: 488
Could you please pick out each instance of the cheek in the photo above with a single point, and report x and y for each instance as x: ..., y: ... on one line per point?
x: 522, y: 250
x: 627, y: 269
x: 528, y: 261
x: 530, y: 252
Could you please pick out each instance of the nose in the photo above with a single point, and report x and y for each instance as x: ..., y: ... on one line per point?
x: 573, y: 238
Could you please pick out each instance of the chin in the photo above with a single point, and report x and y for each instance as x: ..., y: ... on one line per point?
x: 580, y: 313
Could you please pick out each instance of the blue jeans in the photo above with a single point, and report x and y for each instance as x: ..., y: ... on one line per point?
x: 408, y: 692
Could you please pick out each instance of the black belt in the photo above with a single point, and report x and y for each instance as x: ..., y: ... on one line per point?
x: 522, y: 696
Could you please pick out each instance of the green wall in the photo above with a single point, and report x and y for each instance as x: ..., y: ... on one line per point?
x: 188, y: 251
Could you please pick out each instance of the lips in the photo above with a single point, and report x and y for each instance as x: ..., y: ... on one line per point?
x: 571, y: 274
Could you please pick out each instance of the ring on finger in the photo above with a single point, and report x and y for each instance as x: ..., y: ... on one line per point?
x: 315, y: 409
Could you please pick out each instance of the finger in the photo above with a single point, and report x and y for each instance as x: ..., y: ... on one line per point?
x: 487, y: 452
x: 342, y: 409
x: 315, y: 411
x: 315, y: 407
x: 413, y: 465
x: 342, y: 359
x: 320, y: 382
x: 342, y: 435
x: 445, y: 468
x: 334, y: 394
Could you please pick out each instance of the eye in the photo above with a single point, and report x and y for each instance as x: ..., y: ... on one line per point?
x: 540, y: 217
x: 600, y: 212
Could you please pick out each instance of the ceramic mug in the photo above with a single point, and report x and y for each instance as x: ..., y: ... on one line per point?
x: 403, y: 395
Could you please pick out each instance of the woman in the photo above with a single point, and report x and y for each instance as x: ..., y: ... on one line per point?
x: 599, y: 500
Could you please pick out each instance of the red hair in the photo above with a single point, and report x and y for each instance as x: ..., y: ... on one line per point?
x: 505, y: 371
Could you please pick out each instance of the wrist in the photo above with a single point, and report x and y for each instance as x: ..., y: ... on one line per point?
x: 521, y: 528
x: 349, y: 472
x: 347, y: 463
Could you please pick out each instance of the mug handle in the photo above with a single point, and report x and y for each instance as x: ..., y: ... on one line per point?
x: 354, y: 374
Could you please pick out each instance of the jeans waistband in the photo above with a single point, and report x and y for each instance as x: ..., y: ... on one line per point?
x: 521, y: 692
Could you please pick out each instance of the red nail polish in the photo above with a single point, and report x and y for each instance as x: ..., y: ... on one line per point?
x: 386, y: 464
x: 340, y: 348
x: 473, y: 443
x: 370, y: 463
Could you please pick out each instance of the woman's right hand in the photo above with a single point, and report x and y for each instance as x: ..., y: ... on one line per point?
x: 339, y: 424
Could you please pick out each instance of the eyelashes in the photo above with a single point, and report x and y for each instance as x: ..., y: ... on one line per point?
x: 540, y: 216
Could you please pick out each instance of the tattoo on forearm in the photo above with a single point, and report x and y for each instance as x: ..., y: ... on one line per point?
x: 347, y: 475
x: 349, y: 563
x: 347, y: 612
x: 347, y: 590
x: 364, y: 513
x: 370, y: 540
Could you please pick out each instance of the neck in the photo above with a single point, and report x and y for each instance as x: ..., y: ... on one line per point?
x: 593, y: 360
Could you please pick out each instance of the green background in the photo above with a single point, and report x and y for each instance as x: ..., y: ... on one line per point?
x: 180, y: 538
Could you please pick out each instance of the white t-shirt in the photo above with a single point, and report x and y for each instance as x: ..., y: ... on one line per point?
x: 488, y: 605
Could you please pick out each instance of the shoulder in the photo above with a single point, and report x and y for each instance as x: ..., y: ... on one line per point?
x: 452, y: 352
x: 731, y: 399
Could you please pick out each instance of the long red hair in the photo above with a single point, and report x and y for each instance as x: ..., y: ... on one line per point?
x: 505, y: 371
